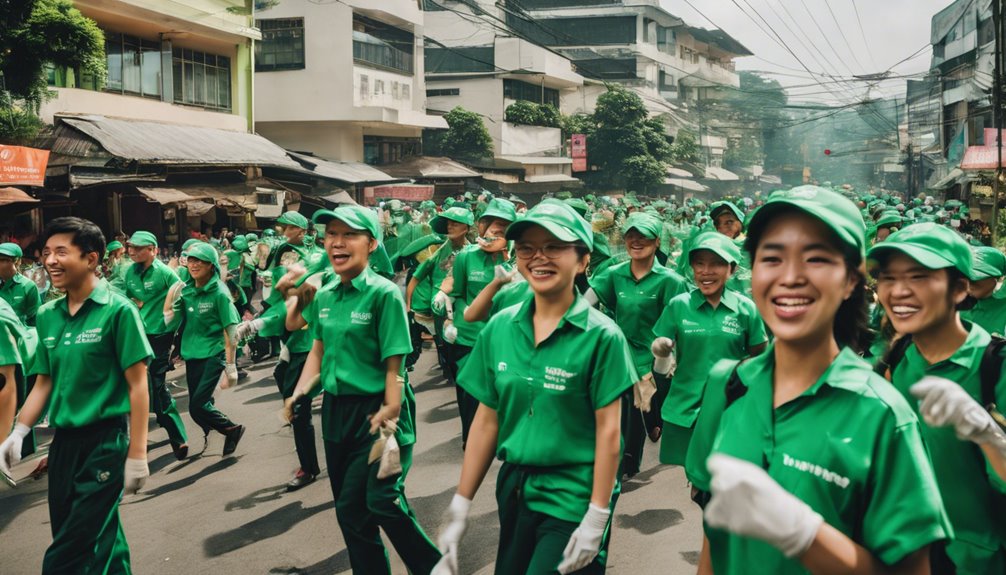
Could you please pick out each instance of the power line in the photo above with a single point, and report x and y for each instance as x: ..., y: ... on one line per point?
x: 838, y: 25
x: 862, y: 32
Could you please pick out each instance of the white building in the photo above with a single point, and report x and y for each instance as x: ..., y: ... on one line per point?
x: 343, y: 80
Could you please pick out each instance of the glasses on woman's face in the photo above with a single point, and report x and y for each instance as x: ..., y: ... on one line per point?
x: 550, y: 251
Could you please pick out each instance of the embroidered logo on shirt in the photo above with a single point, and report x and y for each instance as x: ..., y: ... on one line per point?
x: 323, y: 312
x: 731, y: 325
x: 205, y: 306
x: 89, y: 336
x: 476, y: 276
x: 501, y: 366
x: 816, y: 470
x: 556, y: 378
x: 361, y: 317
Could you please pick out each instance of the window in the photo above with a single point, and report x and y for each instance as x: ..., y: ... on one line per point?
x: 587, y: 31
x: 460, y: 59
x: 379, y: 150
x: 202, y: 79
x: 134, y: 65
x: 382, y: 46
x: 443, y: 92
x: 517, y: 90
x: 282, y: 45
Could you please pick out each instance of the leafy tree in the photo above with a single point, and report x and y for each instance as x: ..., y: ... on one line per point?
x: 685, y: 148
x: 466, y: 137
x: 523, y: 112
x: 742, y: 152
x: 627, y: 146
x: 577, y: 124
x: 18, y: 126
x: 550, y: 116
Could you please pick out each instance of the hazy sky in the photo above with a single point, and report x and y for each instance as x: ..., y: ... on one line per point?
x: 893, y: 30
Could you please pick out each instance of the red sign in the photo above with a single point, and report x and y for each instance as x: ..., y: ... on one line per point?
x: 579, y: 164
x: 22, y: 166
x: 578, y: 149
x: 982, y: 158
x: 404, y: 192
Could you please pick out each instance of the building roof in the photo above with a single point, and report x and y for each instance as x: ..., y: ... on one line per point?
x: 719, y: 39
x: 721, y: 174
x: 428, y: 167
x: 350, y: 172
x: 148, y: 142
x: 690, y: 185
x: 15, y: 196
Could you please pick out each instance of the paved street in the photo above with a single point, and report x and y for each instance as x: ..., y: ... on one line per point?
x: 209, y: 514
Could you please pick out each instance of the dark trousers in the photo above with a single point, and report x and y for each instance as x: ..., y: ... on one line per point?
x: 86, y: 475
x: 22, y: 388
x: 531, y: 542
x: 287, y: 375
x: 634, y: 434
x: 416, y: 331
x: 653, y: 418
x: 365, y: 504
x: 202, y: 376
x: 161, y: 402
x: 467, y: 405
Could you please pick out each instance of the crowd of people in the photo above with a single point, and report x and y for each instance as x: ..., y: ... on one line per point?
x: 825, y: 364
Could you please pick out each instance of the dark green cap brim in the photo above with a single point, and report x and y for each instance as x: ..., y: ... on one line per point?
x: 927, y: 258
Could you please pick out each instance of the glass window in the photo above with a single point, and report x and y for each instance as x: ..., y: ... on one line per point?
x: 517, y: 90
x: 113, y: 56
x: 151, y: 68
x: 381, y: 45
x: 202, y: 79
x: 282, y: 45
x: 131, y: 64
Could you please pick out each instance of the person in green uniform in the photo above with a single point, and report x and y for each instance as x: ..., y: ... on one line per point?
x: 17, y: 350
x: 549, y: 375
x: 115, y: 266
x: 922, y: 274
x: 473, y: 269
x: 205, y: 309
x: 411, y: 257
x: 366, y: 395
x: 20, y: 292
x: 989, y: 310
x: 728, y: 219
x: 99, y: 450
x: 707, y: 324
x: 147, y: 282
x: 818, y: 465
x: 637, y: 291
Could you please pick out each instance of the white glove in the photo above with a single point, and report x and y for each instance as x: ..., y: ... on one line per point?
x: 284, y: 353
x: 664, y: 361
x: 231, y: 373
x: 450, y: 333
x: 10, y: 449
x: 450, y: 536
x: 504, y: 274
x: 247, y: 329
x: 945, y: 403
x: 585, y: 542
x: 746, y: 501
x: 643, y: 392
x: 136, y: 475
x: 442, y: 303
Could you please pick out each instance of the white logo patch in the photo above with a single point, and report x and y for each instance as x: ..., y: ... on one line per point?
x: 816, y: 470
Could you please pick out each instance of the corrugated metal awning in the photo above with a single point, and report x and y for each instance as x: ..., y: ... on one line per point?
x: 690, y: 185
x: 350, y: 172
x: 165, y: 196
x: 15, y: 196
x: 721, y: 174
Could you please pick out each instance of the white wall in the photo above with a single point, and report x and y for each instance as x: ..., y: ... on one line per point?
x: 484, y: 96
x: 529, y: 140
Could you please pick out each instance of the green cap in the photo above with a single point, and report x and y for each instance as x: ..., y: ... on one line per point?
x: 204, y: 252
x: 559, y: 219
x: 719, y: 207
x: 251, y: 238
x: 458, y: 214
x: 109, y: 248
x: 644, y: 223
x: 836, y: 211
x: 500, y: 208
x: 356, y: 217
x: 13, y: 250
x: 888, y: 219
x: 240, y: 244
x: 268, y: 233
x: 294, y: 219
x: 717, y: 243
x: 417, y: 245
x: 141, y: 239
x: 428, y: 205
x: 933, y: 245
x: 189, y: 243
x: 989, y: 262
x: 579, y: 205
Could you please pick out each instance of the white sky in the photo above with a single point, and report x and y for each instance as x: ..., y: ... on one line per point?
x: 894, y: 30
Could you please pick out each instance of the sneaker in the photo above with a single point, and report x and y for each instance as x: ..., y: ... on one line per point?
x: 180, y: 451
x: 242, y: 374
x: 231, y: 438
x: 301, y: 479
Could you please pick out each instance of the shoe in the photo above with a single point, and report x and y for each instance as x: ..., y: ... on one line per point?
x: 242, y: 374
x: 655, y: 434
x: 301, y: 479
x: 42, y: 469
x: 181, y: 451
x: 231, y: 438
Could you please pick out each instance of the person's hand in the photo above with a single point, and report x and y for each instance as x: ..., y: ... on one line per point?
x: 944, y: 403
x: 173, y: 262
x: 746, y: 501
x: 230, y: 375
x: 288, y: 404
x: 247, y: 329
x: 450, y: 536
x: 136, y: 475
x: 10, y: 449
x: 385, y: 414
x: 664, y: 361
x: 450, y: 333
x: 305, y: 295
x: 504, y: 274
x: 585, y: 542
x: 447, y: 286
x: 643, y: 392
x: 442, y: 303
x: 293, y: 273
x: 662, y: 347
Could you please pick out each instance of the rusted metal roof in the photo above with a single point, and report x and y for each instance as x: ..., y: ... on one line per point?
x: 349, y: 172
x: 428, y: 167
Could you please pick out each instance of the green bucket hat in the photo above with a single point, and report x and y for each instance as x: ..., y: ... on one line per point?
x: 13, y: 250
x: 251, y: 238
x: 835, y: 210
x: 644, y: 223
x: 457, y: 214
x: 428, y: 205
x: 142, y: 239
x: 294, y: 219
x: 204, y: 252
x: 420, y: 244
x: 189, y: 243
x: 356, y: 217
x: 989, y: 262
x: 240, y: 244
x: 109, y: 248
x: 888, y: 219
x: 500, y: 208
x: 579, y: 205
x: 933, y: 245
x: 719, y: 207
x: 717, y: 243
x: 559, y: 219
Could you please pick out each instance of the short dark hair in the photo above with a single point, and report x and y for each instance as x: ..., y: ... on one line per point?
x: 86, y: 235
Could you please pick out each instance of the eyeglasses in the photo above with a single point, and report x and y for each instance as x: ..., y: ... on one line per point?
x: 550, y: 251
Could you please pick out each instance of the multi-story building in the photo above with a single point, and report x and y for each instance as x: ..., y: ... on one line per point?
x: 343, y: 80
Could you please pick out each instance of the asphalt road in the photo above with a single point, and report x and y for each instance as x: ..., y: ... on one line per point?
x: 210, y: 514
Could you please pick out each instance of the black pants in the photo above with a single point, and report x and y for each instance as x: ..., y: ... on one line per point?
x: 161, y: 402
x: 416, y: 331
x: 467, y: 405
x: 653, y: 418
x: 202, y: 376
x: 634, y: 434
x: 287, y: 375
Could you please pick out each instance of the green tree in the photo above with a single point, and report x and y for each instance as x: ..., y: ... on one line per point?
x: 523, y: 112
x: 627, y: 146
x: 686, y: 149
x: 742, y: 152
x: 577, y: 124
x: 466, y: 137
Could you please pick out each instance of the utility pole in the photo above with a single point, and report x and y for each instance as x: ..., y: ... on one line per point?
x: 997, y: 114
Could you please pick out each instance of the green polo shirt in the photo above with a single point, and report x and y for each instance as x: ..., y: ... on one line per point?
x: 117, y: 275
x: 702, y: 336
x: 974, y: 496
x: 849, y: 446
x: 433, y: 272
x: 422, y: 294
x: 473, y: 270
x: 149, y: 287
x: 287, y: 254
x: 989, y: 313
x: 22, y: 295
x: 14, y: 338
x: 637, y: 304
x: 206, y: 312
x: 514, y: 293
x: 86, y: 356
x: 245, y: 279
x: 546, y: 396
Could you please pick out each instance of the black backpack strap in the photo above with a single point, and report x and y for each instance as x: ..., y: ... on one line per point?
x: 990, y: 371
x: 894, y: 355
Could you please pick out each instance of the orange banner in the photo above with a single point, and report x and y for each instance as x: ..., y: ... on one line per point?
x: 22, y: 166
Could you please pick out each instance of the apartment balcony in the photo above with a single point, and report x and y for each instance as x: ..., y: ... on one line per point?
x: 80, y: 101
